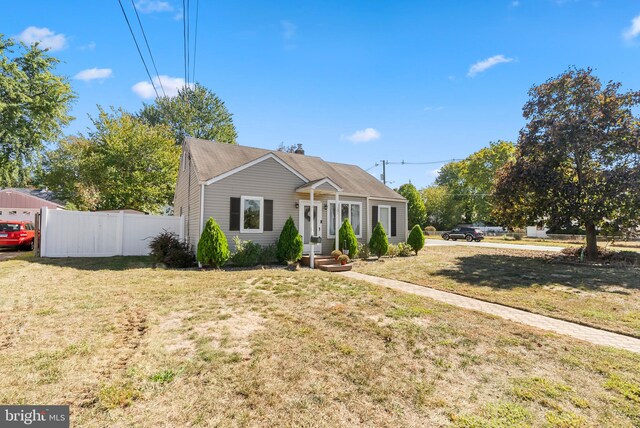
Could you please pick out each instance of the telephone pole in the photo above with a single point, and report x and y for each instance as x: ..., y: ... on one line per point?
x: 384, y: 171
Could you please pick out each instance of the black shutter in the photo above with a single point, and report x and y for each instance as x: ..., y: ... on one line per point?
x: 234, y: 215
x: 393, y: 221
x: 268, y: 215
x: 374, y: 217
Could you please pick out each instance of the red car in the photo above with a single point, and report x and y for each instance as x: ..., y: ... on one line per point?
x: 20, y: 234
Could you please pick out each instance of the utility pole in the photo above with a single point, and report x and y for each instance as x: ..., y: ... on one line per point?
x: 384, y: 172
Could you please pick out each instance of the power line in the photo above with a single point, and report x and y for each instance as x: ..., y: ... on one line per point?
x: 422, y: 163
x: 138, y: 48
x: 195, y: 42
x: 148, y: 47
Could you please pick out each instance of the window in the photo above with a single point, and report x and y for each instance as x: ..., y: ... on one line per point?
x: 384, y: 217
x: 251, y: 214
x: 348, y: 210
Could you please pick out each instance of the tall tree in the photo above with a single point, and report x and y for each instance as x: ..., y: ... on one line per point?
x: 122, y: 163
x: 417, y: 211
x: 577, y: 159
x: 441, y: 210
x: 195, y: 112
x: 34, y: 107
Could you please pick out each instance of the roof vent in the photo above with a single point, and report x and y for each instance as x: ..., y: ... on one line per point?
x: 299, y: 150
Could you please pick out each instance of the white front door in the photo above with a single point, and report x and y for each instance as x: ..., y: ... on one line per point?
x: 306, y: 230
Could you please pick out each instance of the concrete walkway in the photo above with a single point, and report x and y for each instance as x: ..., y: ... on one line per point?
x: 490, y: 244
x: 588, y: 334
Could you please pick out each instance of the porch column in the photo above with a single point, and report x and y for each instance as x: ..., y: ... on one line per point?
x: 312, y: 232
x: 336, y: 221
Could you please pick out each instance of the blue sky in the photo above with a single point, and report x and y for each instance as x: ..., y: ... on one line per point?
x: 353, y: 81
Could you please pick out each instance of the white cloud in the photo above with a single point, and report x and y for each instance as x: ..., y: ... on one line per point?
x: 363, y: 136
x: 633, y: 31
x: 48, y: 39
x: 88, y: 47
x: 434, y: 172
x: 171, y: 86
x: 486, y: 64
x: 289, y: 30
x: 94, y: 74
x: 152, y: 6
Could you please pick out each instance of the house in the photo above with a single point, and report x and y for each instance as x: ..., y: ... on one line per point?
x: 21, y: 204
x: 251, y: 192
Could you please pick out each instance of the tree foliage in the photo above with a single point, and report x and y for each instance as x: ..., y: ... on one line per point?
x: 122, y: 163
x: 416, y: 238
x: 213, y: 248
x: 347, y: 239
x: 34, y: 107
x: 290, y: 246
x: 417, y: 210
x: 441, y: 209
x: 379, y: 244
x: 196, y: 112
x: 577, y: 159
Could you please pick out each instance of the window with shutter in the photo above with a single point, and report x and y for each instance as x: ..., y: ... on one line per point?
x: 234, y: 215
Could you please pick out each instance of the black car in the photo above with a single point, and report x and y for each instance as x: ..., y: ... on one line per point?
x: 468, y: 233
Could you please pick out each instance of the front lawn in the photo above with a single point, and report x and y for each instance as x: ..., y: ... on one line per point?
x: 604, y: 297
x: 127, y: 345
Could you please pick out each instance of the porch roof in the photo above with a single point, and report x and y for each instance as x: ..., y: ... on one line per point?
x: 316, y: 186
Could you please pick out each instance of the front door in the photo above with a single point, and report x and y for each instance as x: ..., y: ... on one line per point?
x: 306, y: 230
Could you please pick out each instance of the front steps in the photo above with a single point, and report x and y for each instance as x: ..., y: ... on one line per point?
x: 326, y: 263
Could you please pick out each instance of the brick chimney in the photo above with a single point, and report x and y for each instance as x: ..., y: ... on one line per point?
x: 299, y: 150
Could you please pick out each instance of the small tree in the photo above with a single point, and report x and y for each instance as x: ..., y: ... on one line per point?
x: 347, y: 239
x: 213, y: 248
x: 378, y: 242
x: 416, y: 239
x: 290, y: 243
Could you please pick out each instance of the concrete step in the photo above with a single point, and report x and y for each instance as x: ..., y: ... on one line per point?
x: 337, y: 267
x: 306, y: 260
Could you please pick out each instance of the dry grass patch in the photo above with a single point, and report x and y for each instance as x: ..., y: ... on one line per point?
x: 132, y: 346
x: 603, y: 297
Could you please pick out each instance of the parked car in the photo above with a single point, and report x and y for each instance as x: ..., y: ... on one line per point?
x: 19, y: 234
x: 468, y: 233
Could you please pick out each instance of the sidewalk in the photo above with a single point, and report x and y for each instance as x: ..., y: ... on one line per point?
x: 588, y: 334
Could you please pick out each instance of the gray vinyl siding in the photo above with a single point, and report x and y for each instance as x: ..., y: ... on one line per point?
x: 328, y: 244
x: 326, y: 187
x: 267, y: 179
x: 187, y: 198
x: 401, y: 219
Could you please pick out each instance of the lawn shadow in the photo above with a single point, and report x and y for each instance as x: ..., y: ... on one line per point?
x: 508, y: 272
x: 115, y: 263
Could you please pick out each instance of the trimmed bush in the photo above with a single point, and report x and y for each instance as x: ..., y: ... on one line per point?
x: 347, y: 239
x: 392, y: 250
x: 379, y: 244
x: 290, y: 243
x: 247, y: 253
x: 404, y: 250
x: 363, y: 251
x: 168, y: 249
x: 416, y: 239
x: 336, y: 253
x: 268, y: 255
x: 213, y: 248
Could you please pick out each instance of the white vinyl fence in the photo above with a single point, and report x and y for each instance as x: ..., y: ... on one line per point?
x: 98, y: 234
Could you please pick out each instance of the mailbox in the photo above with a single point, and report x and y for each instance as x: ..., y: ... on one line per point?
x: 315, y: 239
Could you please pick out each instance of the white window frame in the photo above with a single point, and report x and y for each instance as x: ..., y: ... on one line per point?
x: 387, y: 228
x: 251, y: 198
x: 331, y: 221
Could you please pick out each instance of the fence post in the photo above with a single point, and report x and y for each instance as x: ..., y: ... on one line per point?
x: 120, y: 234
x: 44, y: 218
x: 181, y: 228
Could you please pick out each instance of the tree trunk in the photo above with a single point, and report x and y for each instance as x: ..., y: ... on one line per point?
x: 592, y: 242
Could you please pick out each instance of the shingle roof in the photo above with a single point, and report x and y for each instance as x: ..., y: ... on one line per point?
x: 212, y: 159
x: 20, y: 197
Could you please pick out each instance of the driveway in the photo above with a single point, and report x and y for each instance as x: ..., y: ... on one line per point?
x: 9, y: 253
x: 487, y: 244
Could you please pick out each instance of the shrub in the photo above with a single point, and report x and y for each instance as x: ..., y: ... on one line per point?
x: 268, y: 255
x: 404, y: 250
x: 379, y: 244
x: 363, y: 251
x: 430, y: 230
x: 343, y: 258
x: 213, y: 248
x: 168, y: 249
x: 518, y: 236
x: 392, y: 250
x: 248, y: 253
x: 290, y: 243
x: 416, y: 239
x: 336, y: 253
x: 347, y: 239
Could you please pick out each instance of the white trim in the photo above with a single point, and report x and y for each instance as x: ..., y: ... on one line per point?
x: 319, y: 183
x: 329, y: 203
x: 386, y: 229
x: 375, y: 198
x: 201, y: 210
x: 251, y: 198
x: 406, y: 220
x: 368, y: 219
x: 301, y: 204
x: 255, y: 162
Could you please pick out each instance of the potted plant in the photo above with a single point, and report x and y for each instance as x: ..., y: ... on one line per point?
x: 343, y: 259
x: 336, y: 253
x: 292, y: 265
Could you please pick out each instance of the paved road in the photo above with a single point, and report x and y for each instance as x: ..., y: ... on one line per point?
x: 588, y: 334
x: 488, y: 244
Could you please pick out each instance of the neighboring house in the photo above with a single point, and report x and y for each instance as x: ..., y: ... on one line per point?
x: 22, y: 204
x: 251, y: 192
x: 537, y: 232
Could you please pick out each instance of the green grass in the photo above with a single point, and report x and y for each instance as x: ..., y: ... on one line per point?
x: 128, y: 345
